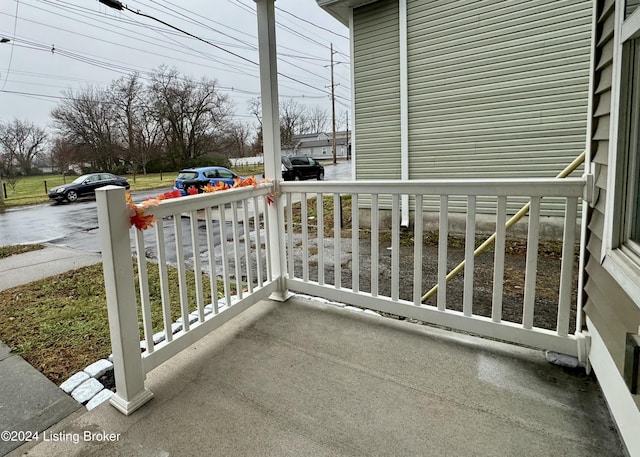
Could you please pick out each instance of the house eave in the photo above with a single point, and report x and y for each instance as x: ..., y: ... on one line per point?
x: 340, y: 8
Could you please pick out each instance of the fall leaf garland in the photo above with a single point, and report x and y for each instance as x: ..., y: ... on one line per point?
x: 142, y: 221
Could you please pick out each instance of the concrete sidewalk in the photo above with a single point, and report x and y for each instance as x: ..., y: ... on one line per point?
x: 29, y: 402
x: 307, y: 379
x: 17, y: 270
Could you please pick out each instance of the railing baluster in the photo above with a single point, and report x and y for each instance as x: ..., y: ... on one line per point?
x: 164, y: 281
x: 320, y: 233
x: 304, y: 221
x: 225, y: 256
x: 143, y: 281
x: 267, y: 234
x: 566, y: 268
x: 211, y: 247
x: 469, y: 247
x: 197, y: 265
x: 235, y: 230
x: 257, y: 229
x: 498, y: 262
x: 337, y: 221
x: 417, y: 252
x: 292, y: 273
x: 247, y: 245
x: 182, y: 277
x: 395, y: 247
x: 375, y: 244
x: 533, y: 236
x: 443, y: 238
x: 355, y: 244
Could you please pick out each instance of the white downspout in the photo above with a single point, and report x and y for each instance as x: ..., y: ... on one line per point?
x: 353, y: 94
x: 404, y: 111
x: 271, y: 138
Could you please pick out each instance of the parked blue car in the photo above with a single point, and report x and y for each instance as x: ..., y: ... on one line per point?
x: 200, y: 177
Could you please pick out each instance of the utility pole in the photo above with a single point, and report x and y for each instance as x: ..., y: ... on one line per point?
x: 333, y: 108
x: 346, y: 113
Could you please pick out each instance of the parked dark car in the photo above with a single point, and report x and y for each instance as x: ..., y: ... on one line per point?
x: 200, y: 177
x: 298, y: 168
x: 85, y: 186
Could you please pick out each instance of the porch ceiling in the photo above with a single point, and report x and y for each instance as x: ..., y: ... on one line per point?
x: 304, y: 378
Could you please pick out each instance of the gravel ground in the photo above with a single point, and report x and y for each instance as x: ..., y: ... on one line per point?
x: 546, y: 286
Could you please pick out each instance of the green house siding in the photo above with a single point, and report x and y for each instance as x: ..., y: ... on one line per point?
x: 611, y: 310
x: 376, y: 67
x: 498, y: 89
x: 495, y: 88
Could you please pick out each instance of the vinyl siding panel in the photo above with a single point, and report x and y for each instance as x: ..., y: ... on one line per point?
x: 376, y: 63
x: 497, y: 89
x: 497, y: 83
x: 610, y: 309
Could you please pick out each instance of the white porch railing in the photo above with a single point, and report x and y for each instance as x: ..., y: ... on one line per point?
x: 411, y: 275
x: 228, y: 239
x: 222, y: 235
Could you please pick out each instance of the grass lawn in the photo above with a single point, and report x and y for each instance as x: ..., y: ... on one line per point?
x: 6, y: 251
x: 33, y: 189
x: 59, y: 324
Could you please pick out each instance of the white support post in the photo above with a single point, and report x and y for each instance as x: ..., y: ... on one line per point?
x: 113, y: 220
x: 271, y: 139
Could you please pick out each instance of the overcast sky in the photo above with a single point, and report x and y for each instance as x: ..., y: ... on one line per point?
x: 70, y: 44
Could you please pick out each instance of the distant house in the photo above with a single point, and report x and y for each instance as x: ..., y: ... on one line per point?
x: 320, y: 145
x: 459, y: 89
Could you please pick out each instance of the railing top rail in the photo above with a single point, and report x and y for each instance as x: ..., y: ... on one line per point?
x: 542, y: 187
x: 207, y: 200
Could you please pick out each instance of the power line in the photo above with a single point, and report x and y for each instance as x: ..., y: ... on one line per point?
x: 15, y: 24
x: 120, y: 34
x: 116, y: 4
x: 311, y: 23
x: 194, y: 21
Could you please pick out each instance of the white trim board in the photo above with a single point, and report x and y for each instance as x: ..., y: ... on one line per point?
x: 623, y: 408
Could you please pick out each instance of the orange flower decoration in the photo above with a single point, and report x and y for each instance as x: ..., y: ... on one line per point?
x: 140, y: 220
x: 143, y: 221
x: 220, y: 185
x: 137, y: 217
x: 168, y: 195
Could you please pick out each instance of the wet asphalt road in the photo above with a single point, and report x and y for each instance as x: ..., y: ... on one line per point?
x: 76, y: 225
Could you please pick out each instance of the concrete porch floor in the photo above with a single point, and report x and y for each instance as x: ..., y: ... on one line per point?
x: 308, y: 379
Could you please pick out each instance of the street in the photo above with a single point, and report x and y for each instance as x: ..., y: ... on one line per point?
x: 76, y: 225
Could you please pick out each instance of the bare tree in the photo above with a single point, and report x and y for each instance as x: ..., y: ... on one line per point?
x: 255, y: 108
x: 22, y: 142
x: 318, y: 120
x: 64, y: 154
x: 191, y: 112
x: 86, y: 118
x: 125, y: 95
x: 236, y: 140
x: 140, y: 128
x: 293, y: 121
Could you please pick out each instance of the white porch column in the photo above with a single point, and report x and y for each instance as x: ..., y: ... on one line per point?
x: 404, y: 111
x: 113, y: 220
x: 271, y: 137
